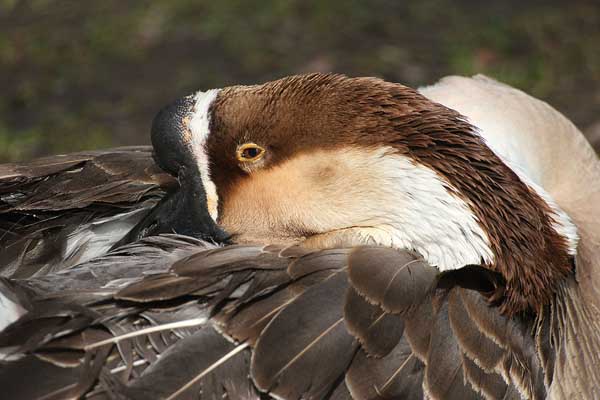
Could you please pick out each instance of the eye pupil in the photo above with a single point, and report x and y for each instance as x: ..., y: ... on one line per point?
x: 251, y: 152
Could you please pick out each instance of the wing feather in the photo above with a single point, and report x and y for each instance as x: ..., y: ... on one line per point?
x: 306, y: 325
x: 377, y: 331
x: 59, y: 211
x: 397, y: 281
x: 398, y: 375
x: 306, y: 348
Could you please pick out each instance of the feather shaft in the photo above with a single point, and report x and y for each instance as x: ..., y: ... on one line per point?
x: 159, y: 328
x: 208, y: 370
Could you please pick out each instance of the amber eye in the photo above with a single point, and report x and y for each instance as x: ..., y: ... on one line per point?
x: 250, y: 152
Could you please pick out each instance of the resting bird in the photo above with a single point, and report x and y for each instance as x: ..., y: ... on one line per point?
x: 315, y: 237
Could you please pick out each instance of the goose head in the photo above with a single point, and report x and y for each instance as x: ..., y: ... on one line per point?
x: 326, y: 160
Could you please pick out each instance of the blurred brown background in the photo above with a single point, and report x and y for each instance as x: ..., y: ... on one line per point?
x: 87, y: 74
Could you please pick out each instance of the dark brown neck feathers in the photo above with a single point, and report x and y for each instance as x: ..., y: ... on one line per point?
x: 531, y: 256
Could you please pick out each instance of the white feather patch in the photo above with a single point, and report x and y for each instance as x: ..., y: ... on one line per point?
x: 97, y: 237
x: 9, y: 311
x: 426, y: 216
x: 200, y: 129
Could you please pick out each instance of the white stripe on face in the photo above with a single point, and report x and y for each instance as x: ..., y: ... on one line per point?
x: 199, y: 127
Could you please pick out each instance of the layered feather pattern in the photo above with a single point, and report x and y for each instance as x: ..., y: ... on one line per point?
x: 59, y: 211
x: 174, y: 318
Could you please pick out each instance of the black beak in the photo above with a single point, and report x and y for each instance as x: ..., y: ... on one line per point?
x: 185, y: 210
x: 170, y: 136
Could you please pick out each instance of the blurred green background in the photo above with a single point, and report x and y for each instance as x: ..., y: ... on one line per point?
x: 87, y: 74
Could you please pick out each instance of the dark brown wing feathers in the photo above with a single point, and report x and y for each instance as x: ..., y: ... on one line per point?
x: 397, y: 282
x: 315, y: 327
x: 377, y: 331
x: 93, y: 187
x: 398, y: 375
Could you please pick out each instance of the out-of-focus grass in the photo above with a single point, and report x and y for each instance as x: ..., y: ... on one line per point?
x: 78, y: 75
x: 20, y: 145
x: 15, y: 147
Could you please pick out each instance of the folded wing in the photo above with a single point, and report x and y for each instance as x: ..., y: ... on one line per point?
x: 173, y: 317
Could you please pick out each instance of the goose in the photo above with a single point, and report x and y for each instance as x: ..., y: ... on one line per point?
x: 318, y: 237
